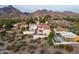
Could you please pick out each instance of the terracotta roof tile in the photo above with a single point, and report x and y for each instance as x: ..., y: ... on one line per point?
x: 45, y: 26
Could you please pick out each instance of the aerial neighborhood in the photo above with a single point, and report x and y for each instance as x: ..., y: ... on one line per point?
x: 42, y: 31
x: 61, y: 35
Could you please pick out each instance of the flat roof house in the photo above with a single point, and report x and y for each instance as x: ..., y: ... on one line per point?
x: 65, y: 36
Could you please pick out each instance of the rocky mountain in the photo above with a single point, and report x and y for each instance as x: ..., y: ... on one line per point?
x: 54, y: 13
x: 12, y: 12
x: 40, y: 12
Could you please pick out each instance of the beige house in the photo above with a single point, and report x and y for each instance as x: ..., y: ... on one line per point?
x: 43, y: 31
x: 38, y: 31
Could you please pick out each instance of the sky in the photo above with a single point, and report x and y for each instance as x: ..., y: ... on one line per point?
x: 32, y: 8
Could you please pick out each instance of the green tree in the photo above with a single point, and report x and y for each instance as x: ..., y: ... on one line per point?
x: 76, y: 28
x: 47, y: 17
x: 29, y: 20
x: 6, y: 22
x: 70, y: 18
x: 50, y: 38
x: 42, y: 19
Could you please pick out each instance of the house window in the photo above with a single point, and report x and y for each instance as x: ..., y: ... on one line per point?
x: 44, y: 33
x: 57, y: 34
x: 32, y: 29
x: 40, y: 31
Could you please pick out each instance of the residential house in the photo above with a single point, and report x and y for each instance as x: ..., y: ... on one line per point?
x: 32, y: 27
x: 43, y: 31
x: 31, y: 30
x: 63, y: 35
x: 38, y: 30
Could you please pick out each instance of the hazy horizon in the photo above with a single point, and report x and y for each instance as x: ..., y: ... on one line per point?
x: 32, y: 8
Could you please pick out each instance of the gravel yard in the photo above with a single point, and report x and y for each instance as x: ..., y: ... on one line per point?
x: 17, y: 43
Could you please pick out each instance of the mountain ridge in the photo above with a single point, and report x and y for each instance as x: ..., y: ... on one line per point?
x: 11, y: 11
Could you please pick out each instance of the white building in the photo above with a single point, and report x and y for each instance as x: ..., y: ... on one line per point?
x: 43, y: 31
x: 32, y: 29
x: 62, y: 35
x: 28, y: 32
x: 38, y: 31
x: 38, y: 36
x: 66, y: 34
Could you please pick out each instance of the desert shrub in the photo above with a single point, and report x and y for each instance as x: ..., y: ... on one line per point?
x: 6, y: 53
x: 23, y: 48
x: 30, y: 36
x: 8, y: 23
x: 35, y: 41
x: 32, y: 47
x: 59, y: 46
x: 23, y: 37
x: 41, y: 45
x: 3, y: 33
x: 13, y: 48
x: 75, y: 26
x: 38, y: 42
x: 16, y: 46
x: 5, y: 38
x: 21, y: 44
x: 44, y: 51
x: 11, y: 40
x: 32, y: 41
x: 66, y: 47
x: 29, y: 20
x: 69, y: 48
x: 58, y: 52
x: 32, y: 52
x: 70, y: 18
x: 10, y: 47
x: 19, y: 39
x: 1, y: 44
x: 16, y: 49
x: 50, y: 37
x: 45, y: 38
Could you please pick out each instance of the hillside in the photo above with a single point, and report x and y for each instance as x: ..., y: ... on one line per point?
x: 12, y: 12
x: 45, y: 12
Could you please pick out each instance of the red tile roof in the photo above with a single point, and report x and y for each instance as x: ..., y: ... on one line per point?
x: 45, y: 26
